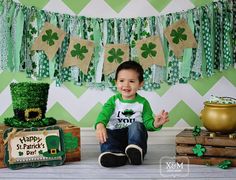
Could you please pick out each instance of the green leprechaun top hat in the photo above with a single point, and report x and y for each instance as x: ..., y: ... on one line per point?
x: 53, y: 147
x: 29, y: 102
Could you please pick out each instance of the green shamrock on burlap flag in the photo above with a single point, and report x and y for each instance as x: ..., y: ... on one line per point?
x: 180, y: 36
x: 114, y: 54
x: 49, y: 40
x: 150, y: 52
x: 79, y: 54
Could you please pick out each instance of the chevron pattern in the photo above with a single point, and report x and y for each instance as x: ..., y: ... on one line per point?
x: 84, y: 7
x: 81, y: 105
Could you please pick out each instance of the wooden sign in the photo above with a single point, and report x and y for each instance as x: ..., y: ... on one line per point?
x: 33, y: 147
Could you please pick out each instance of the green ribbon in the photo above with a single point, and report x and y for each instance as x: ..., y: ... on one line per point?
x: 9, y: 39
x: 116, y: 31
x: 138, y: 26
x: 186, y: 65
x: 1, y: 8
x: 97, y: 41
x: 18, y: 40
x: 203, y: 52
x: 53, y: 21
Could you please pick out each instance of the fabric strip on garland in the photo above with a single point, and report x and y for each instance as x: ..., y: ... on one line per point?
x: 186, y: 64
x: 64, y: 74
x: 158, y: 71
x: 98, y: 51
x: 197, y: 53
x: 17, y: 37
x: 3, y: 34
x: 73, y: 29
x: 10, y: 21
x: 234, y: 30
x: 49, y: 65
x: 173, y: 62
x: 227, y: 30
x: 217, y: 28
x: 206, y: 34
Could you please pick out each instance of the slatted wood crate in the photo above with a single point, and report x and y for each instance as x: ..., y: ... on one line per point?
x: 74, y: 155
x: 218, y: 148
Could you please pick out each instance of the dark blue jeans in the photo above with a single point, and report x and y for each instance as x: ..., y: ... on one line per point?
x: 118, y: 139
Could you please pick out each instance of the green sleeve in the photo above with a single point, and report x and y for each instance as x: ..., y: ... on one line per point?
x: 148, y: 119
x: 107, y: 111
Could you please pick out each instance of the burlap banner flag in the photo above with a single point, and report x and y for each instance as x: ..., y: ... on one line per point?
x: 49, y: 40
x: 114, y: 54
x: 150, y: 52
x: 79, y: 54
x: 180, y: 36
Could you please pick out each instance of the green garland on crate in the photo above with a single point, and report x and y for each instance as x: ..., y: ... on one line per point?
x: 23, y: 24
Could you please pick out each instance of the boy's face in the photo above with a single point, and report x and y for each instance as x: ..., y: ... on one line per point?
x: 128, y: 83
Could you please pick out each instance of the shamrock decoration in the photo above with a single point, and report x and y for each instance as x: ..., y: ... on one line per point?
x: 196, y: 131
x: 79, y: 51
x: 148, y: 50
x: 49, y: 37
x: 225, y: 164
x: 31, y: 31
x: 71, y: 142
x: 128, y: 112
x: 178, y: 35
x: 115, y: 55
x: 20, y: 153
x: 199, y: 150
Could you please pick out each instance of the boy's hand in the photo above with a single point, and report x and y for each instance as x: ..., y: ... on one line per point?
x: 101, y: 133
x: 161, y: 119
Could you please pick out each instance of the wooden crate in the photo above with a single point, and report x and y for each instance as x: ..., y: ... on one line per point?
x: 218, y: 148
x: 74, y: 155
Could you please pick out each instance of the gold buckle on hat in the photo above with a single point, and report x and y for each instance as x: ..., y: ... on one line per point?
x: 38, y: 111
x: 53, y: 151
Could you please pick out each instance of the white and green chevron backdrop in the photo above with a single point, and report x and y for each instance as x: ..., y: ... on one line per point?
x: 81, y: 105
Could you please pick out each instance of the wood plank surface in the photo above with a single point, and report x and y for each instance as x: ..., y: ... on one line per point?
x: 88, y: 168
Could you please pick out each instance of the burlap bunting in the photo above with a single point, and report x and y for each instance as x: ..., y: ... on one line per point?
x: 49, y: 40
x: 79, y: 54
x: 180, y: 36
x: 114, y: 54
x: 150, y: 52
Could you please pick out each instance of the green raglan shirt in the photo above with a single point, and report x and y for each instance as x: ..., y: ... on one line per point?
x: 118, y: 113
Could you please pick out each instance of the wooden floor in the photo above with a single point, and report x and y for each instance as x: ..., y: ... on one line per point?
x: 158, y: 164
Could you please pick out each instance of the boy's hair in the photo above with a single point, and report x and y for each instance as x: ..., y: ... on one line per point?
x: 133, y: 65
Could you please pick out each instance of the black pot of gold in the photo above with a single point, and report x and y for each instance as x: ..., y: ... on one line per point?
x: 29, y: 102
